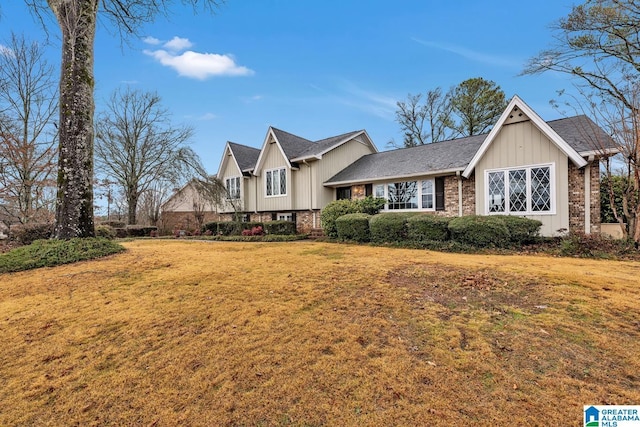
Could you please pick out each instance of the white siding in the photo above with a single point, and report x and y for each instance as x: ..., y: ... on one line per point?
x: 522, y: 144
x: 230, y: 169
x: 274, y: 159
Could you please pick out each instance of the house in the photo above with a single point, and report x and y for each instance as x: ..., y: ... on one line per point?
x: 525, y: 166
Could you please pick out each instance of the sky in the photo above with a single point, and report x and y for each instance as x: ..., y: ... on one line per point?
x: 314, y: 69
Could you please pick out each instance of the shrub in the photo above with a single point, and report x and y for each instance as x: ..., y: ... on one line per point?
x: 211, y: 227
x: 480, y: 231
x: 521, y: 230
x: 371, y: 205
x: 389, y: 227
x: 140, y: 230
x: 105, y: 231
x: 255, y: 231
x: 595, y: 246
x: 230, y: 228
x: 114, y: 224
x: 121, y: 233
x: 354, y: 226
x: 280, y: 227
x: 335, y: 210
x: 28, y: 233
x: 48, y: 253
x: 427, y: 227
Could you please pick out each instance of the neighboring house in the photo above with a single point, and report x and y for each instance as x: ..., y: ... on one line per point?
x: 186, y: 210
x: 524, y: 166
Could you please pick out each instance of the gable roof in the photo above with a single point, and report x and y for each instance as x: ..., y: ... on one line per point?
x: 581, y: 134
x: 245, y: 156
x: 292, y: 145
x: 323, y: 146
x: 517, y: 103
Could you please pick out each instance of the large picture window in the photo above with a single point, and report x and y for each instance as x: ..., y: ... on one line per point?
x: 526, y: 190
x: 407, y: 195
x: 233, y: 187
x: 276, y: 182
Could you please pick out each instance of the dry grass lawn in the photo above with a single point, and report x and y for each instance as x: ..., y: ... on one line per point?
x: 308, y: 334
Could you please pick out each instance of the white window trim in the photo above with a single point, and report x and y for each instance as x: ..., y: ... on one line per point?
x: 385, y: 186
x: 528, y: 212
x: 239, y: 180
x: 265, y: 182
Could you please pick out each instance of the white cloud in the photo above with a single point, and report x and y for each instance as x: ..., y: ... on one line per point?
x: 151, y: 40
x: 177, y: 44
x: 473, y: 55
x: 199, y: 65
x: 6, y: 51
x: 207, y: 117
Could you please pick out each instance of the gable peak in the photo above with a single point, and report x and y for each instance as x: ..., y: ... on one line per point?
x: 516, y: 115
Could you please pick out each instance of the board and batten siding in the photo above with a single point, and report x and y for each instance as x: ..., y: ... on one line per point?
x: 230, y: 170
x: 273, y: 159
x: 302, y: 191
x: 332, y: 163
x: 523, y: 144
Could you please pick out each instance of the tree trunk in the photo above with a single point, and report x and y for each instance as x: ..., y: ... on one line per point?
x: 132, y: 201
x: 74, y: 209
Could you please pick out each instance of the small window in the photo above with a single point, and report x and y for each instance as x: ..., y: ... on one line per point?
x: 276, y: 182
x: 285, y: 217
x: 343, y: 193
x: 233, y: 187
x: 427, y: 194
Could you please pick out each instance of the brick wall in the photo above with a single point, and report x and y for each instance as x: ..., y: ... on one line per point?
x: 358, y: 192
x: 576, y: 198
x: 187, y: 221
x: 451, y: 200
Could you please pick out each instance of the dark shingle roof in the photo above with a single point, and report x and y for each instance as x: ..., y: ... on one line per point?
x: 245, y: 156
x: 291, y: 144
x: 579, y: 132
x: 582, y: 134
x: 440, y: 156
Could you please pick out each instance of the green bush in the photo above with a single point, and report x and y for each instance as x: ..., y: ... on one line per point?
x: 427, y: 227
x: 212, y: 227
x: 230, y: 228
x: 114, y: 224
x: 106, y: 232
x: 371, y: 205
x: 280, y: 227
x: 140, y: 230
x: 49, y: 253
x: 121, y: 233
x: 28, y: 233
x: 389, y: 227
x: 521, y: 230
x: 354, y: 227
x: 480, y: 231
x: 333, y: 211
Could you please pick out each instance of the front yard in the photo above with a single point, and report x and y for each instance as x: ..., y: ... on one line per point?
x: 179, y: 332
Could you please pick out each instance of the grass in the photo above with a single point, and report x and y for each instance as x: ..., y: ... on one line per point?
x: 175, y: 332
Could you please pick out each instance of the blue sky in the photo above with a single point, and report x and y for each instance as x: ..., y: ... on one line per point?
x: 315, y: 69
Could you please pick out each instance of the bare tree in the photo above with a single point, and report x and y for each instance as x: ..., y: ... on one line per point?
x: 77, y: 21
x: 137, y: 145
x: 599, y: 44
x: 27, y: 134
x: 424, y: 120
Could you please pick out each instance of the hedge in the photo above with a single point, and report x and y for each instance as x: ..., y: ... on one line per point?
x: 480, y: 231
x: 428, y: 227
x: 280, y: 227
x: 333, y: 211
x: 30, y: 232
x: 354, y: 227
x: 105, y: 231
x: 522, y: 230
x: 389, y: 227
x: 140, y: 230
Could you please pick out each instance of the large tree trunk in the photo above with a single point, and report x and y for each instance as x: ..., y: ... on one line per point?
x: 132, y: 201
x: 74, y: 209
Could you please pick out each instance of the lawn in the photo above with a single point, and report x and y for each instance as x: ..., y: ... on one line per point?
x: 193, y: 333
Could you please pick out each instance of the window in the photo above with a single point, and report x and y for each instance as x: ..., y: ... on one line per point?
x: 276, y: 182
x: 285, y: 217
x: 402, y: 195
x: 427, y: 194
x: 380, y: 190
x: 520, y: 190
x: 233, y: 187
x: 343, y: 193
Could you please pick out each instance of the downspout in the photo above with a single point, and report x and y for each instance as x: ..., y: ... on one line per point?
x: 459, y: 193
x: 313, y: 214
x: 587, y: 196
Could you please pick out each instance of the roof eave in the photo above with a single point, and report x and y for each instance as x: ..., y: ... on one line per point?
x: 390, y: 178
